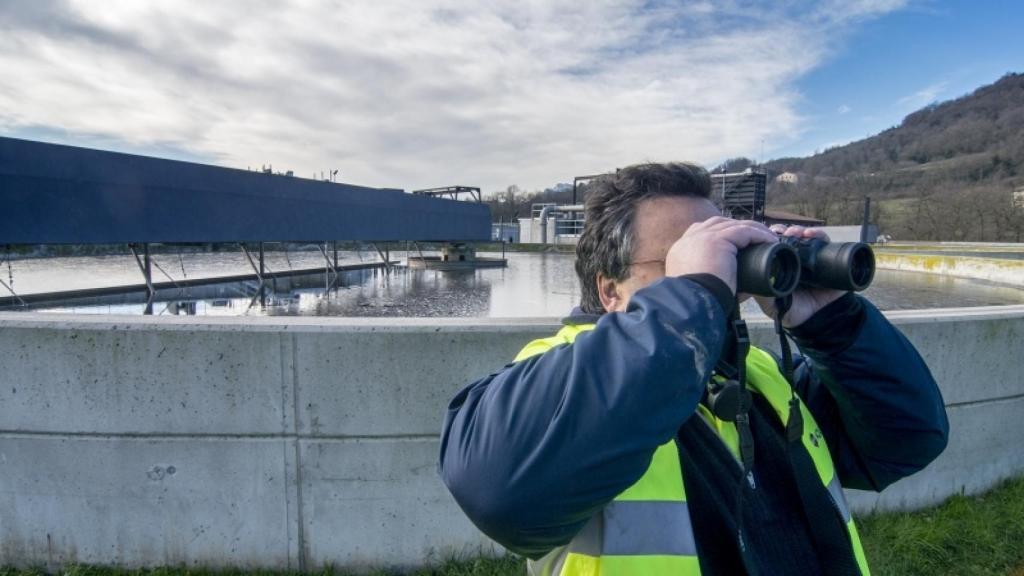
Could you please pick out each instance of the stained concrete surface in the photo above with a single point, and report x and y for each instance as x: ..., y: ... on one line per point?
x: 300, y: 442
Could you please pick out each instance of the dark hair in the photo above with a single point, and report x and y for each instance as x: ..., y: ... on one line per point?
x: 606, y: 245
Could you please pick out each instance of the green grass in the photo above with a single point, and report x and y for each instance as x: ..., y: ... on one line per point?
x: 467, y: 567
x: 496, y: 247
x: 982, y: 535
x: 964, y: 536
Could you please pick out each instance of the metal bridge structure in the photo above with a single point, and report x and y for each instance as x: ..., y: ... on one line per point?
x: 56, y: 194
x: 450, y: 192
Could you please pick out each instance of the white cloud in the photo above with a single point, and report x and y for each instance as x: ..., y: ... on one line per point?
x: 417, y: 93
x: 843, y: 109
x: 923, y: 97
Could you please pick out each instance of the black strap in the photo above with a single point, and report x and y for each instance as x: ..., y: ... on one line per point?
x: 741, y: 341
x: 795, y: 423
x: 831, y: 537
x: 730, y: 399
x: 827, y: 528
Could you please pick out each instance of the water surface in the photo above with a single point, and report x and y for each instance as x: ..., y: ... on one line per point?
x: 533, y: 285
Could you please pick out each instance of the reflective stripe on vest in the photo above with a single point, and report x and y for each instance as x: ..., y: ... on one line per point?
x: 646, y: 529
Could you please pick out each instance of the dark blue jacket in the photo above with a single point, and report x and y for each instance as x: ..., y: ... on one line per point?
x: 533, y: 450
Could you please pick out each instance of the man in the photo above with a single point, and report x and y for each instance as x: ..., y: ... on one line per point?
x: 596, y: 453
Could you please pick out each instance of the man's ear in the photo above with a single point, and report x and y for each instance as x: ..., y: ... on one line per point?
x: 608, y: 292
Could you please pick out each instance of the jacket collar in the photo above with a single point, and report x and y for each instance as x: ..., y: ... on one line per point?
x: 578, y: 316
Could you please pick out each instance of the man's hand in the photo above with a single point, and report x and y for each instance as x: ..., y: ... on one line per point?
x: 711, y: 246
x: 805, y: 302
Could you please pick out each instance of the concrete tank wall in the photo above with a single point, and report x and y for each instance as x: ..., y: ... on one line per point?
x: 1002, y: 271
x: 292, y: 443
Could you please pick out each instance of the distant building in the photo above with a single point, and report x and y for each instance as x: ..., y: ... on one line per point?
x: 851, y: 233
x: 788, y: 177
x: 552, y: 224
x: 505, y: 232
x: 740, y: 195
x: 1018, y: 198
x: 790, y: 219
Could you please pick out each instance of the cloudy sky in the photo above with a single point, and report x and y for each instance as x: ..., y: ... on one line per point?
x: 417, y: 93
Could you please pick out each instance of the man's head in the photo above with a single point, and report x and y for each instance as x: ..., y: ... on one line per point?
x: 632, y: 218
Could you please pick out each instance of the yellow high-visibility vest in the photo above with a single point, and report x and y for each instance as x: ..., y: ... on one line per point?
x: 646, y: 529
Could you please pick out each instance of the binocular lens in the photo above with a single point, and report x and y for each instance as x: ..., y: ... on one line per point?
x: 771, y: 270
x: 862, y: 267
x: 837, y: 265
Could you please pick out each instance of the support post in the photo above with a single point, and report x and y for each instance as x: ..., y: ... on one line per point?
x: 257, y: 269
x: 11, y: 290
x: 331, y: 274
x: 335, y: 243
x: 387, y: 263
x: 867, y: 219
x: 145, y: 265
x: 263, y: 292
x: 10, y: 287
x: 260, y: 292
x: 149, y: 280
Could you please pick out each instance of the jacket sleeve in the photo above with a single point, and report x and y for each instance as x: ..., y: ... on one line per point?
x: 534, y: 450
x: 871, y: 393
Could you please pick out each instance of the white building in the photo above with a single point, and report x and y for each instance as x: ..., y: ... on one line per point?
x: 552, y: 224
x: 788, y: 177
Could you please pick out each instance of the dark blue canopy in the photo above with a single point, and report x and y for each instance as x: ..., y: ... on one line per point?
x: 54, y: 194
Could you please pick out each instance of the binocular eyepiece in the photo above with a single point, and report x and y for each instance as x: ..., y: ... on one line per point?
x: 776, y: 270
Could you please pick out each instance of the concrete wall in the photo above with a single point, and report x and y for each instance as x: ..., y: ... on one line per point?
x: 850, y: 233
x: 1002, y: 271
x: 291, y: 443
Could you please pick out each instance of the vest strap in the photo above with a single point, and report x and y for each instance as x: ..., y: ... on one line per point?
x: 638, y: 528
x: 835, y: 489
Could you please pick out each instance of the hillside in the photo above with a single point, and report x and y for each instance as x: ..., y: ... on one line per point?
x: 947, y: 172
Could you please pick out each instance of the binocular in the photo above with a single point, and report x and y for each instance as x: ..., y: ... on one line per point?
x: 776, y: 270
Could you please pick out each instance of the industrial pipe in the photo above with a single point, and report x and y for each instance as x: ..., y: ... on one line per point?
x: 556, y: 209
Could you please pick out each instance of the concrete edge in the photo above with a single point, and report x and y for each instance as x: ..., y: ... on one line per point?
x: 898, y: 245
x: 930, y: 315
x: 275, y: 324
x: 909, y: 256
x: 311, y: 324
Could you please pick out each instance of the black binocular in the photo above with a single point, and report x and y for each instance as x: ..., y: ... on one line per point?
x: 776, y: 270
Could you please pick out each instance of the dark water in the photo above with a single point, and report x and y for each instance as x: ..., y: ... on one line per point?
x: 533, y: 285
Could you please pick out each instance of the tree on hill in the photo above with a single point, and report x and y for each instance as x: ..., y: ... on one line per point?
x: 738, y: 164
x: 950, y: 168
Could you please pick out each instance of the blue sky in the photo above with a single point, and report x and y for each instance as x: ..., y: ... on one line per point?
x: 895, y: 64
x: 421, y: 93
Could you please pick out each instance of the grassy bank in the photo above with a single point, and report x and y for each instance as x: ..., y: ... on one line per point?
x: 964, y: 536
x: 975, y: 536
x: 530, y: 248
